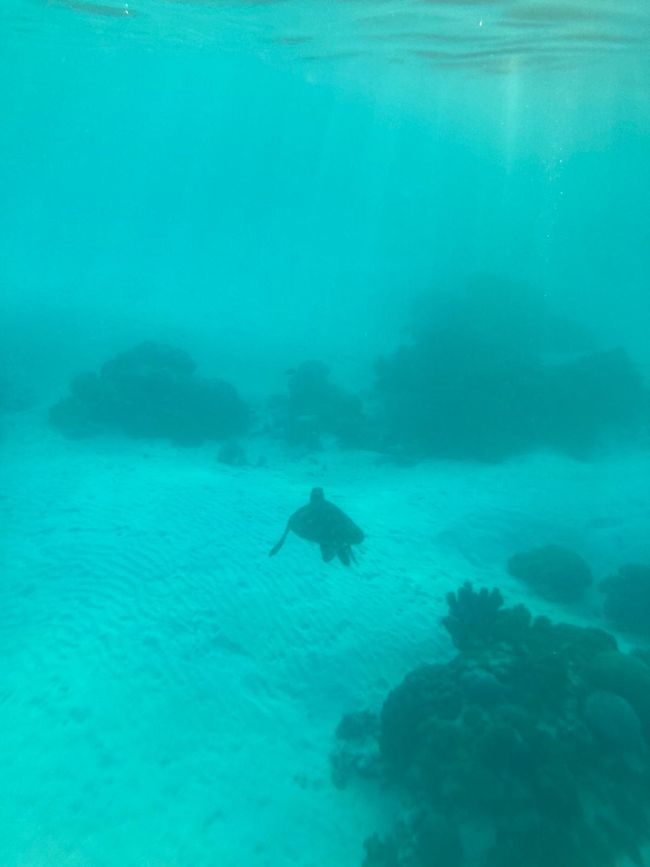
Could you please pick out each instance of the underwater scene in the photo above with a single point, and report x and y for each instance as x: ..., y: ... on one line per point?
x: 325, y: 433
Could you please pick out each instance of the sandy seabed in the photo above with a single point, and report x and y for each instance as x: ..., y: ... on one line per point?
x: 168, y: 693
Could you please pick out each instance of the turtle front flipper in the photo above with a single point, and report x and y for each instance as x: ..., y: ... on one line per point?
x: 274, y: 550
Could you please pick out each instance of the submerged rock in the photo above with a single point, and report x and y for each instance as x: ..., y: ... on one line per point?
x: 556, y: 573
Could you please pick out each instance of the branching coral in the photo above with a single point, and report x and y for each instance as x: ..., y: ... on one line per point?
x: 476, y: 620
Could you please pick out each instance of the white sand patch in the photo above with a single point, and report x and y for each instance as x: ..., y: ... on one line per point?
x: 169, y: 693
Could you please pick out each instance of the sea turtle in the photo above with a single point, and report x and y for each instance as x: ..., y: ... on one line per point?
x: 322, y: 522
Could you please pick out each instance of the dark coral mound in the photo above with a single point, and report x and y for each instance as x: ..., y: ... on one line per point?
x: 151, y: 391
x: 583, y: 400
x: 556, y: 573
x: 494, y: 373
x: 627, y: 599
x: 529, y: 747
x: 356, y: 751
x: 316, y: 407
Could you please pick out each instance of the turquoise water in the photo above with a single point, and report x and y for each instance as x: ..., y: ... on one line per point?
x: 261, y: 184
x: 178, y: 161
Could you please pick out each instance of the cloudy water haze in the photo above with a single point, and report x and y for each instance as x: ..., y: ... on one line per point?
x: 395, y: 249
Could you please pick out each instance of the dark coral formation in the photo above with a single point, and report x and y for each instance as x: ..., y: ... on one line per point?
x: 584, y: 400
x: 356, y: 752
x: 316, y: 407
x: 151, y: 391
x: 424, y: 837
x: 477, y: 620
x: 482, y: 380
x: 529, y: 747
x: 627, y: 598
x: 626, y: 675
x: 457, y: 395
x: 556, y: 573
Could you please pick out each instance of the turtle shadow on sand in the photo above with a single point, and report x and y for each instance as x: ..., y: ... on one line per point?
x: 324, y: 523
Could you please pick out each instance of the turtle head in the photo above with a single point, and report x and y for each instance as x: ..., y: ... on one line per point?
x: 317, y: 495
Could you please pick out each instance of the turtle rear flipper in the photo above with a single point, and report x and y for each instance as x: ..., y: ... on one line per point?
x: 328, y: 552
x: 346, y: 555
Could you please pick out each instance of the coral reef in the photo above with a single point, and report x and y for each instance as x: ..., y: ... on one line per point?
x: 556, y: 573
x: 476, y: 620
x: 615, y: 721
x: 529, y: 747
x: 584, y: 399
x: 626, y: 675
x: 316, y: 407
x: 151, y: 391
x: 356, y: 752
x: 627, y: 598
x: 456, y: 394
x: 481, y: 380
x: 423, y: 837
